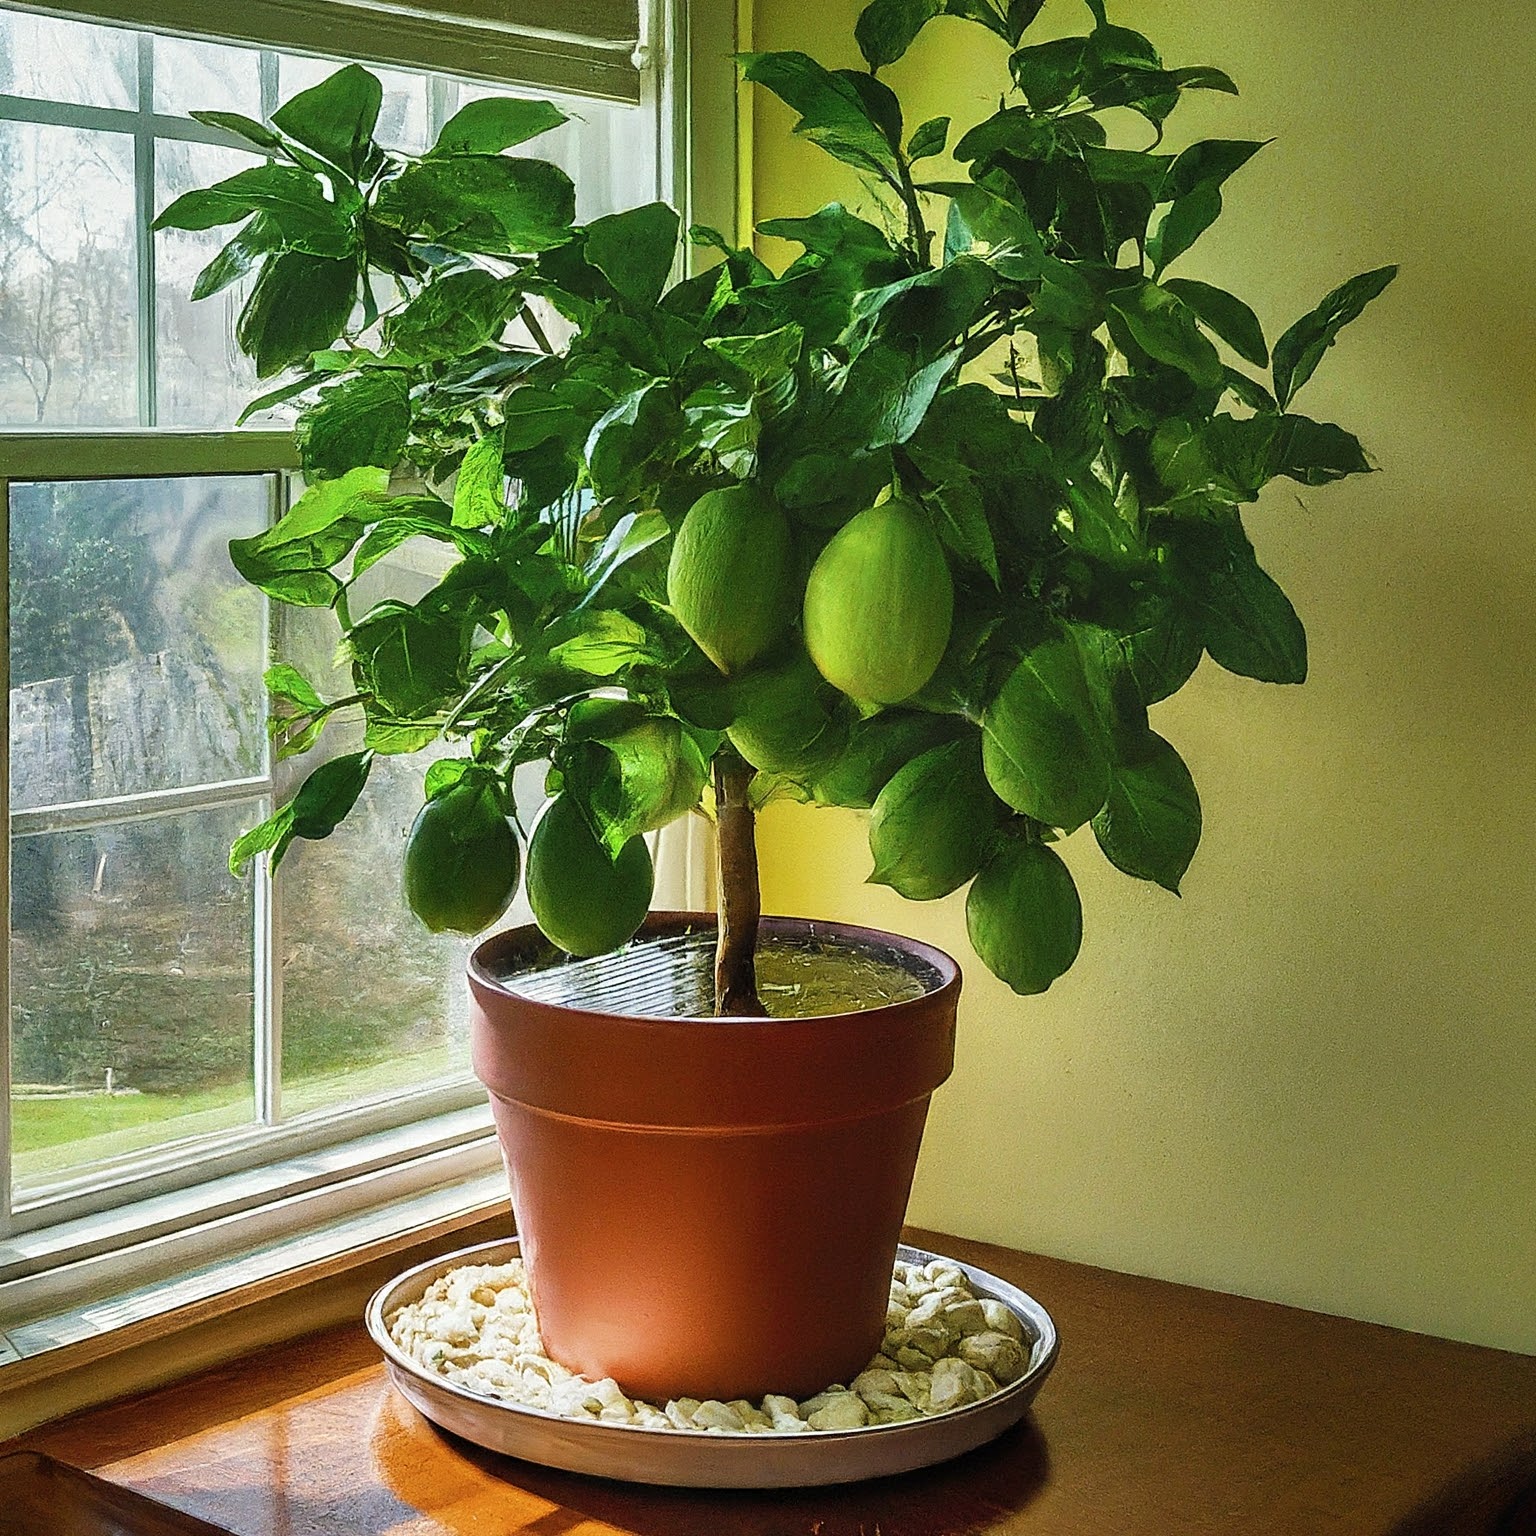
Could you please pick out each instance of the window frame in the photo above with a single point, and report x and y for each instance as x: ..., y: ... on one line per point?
x: 689, y: 87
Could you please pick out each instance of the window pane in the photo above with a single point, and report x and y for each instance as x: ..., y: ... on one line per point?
x: 74, y: 61
x: 193, y: 76
x: 403, y: 115
x: 203, y: 379
x: 136, y: 651
x: 608, y: 149
x: 130, y: 954
x: 68, y: 321
x: 372, y: 1002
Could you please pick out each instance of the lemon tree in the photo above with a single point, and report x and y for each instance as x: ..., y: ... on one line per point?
x: 927, y: 522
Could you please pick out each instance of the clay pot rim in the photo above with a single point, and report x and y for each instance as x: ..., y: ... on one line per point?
x: 663, y: 921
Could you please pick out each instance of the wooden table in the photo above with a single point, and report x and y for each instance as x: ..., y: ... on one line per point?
x: 1171, y: 1412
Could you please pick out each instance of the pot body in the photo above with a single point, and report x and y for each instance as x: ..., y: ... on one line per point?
x: 710, y: 1208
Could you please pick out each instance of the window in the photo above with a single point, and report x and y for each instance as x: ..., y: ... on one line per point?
x: 171, y: 1026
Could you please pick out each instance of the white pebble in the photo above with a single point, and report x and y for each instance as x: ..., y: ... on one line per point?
x: 944, y: 1347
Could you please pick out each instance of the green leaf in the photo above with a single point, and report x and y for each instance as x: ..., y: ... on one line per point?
x: 451, y: 316
x: 1193, y: 186
x: 490, y: 126
x: 329, y: 793
x: 1165, y: 329
x: 1050, y: 74
x: 287, y: 682
x: 883, y: 401
x: 1020, y: 14
x: 336, y: 118
x: 1024, y: 917
x: 876, y: 750
x: 277, y: 396
x: 600, y: 642
x: 1301, y: 348
x: 1040, y: 741
x: 430, y: 519
x: 274, y: 834
x: 259, y: 238
x: 933, y: 308
x: 1246, y: 621
x: 1207, y: 163
x: 481, y: 203
x: 932, y: 823
x: 1104, y: 526
x: 928, y: 139
x: 845, y: 116
x: 961, y: 521
x: 635, y: 251
x: 293, y: 201
x: 478, y: 499
x: 886, y: 28
x: 1226, y: 315
x: 1150, y: 825
x: 411, y: 659
x: 1184, y: 222
x: 242, y: 127
x: 634, y: 779
x: 300, y: 304
x: 628, y: 433
x: 631, y: 535
x: 291, y: 560
x: 361, y: 421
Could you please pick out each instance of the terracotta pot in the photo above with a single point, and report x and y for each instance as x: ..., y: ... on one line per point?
x: 710, y: 1208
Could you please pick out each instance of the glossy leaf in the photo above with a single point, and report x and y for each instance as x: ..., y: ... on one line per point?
x: 1150, y: 824
x: 336, y: 118
x: 1301, y: 348
x: 1024, y: 917
x: 932, y: 822
x: 886, y: 28
x: 300, y: 305
x: 487, y: 127
x: 1226, y: 315
x: 847, y: 118
x: 363, y: 420
x: 1040, y: 742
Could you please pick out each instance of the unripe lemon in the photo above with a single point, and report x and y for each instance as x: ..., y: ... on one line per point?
x: 582, y: 900
x: 461, y: 860
x: 879, y: 603
x: 731, y: 577
x: 1024, y: 917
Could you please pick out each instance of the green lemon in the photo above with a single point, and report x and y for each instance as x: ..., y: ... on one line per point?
x: 1024, y: 917
x: 731, y: 579
x: 461, y: 860
x: 879, y: 604
x: 582, y: 900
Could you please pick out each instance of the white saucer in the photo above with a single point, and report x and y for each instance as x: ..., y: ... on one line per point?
x: 696, y: 1458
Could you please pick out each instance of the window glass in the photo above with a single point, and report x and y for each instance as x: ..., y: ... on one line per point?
x: 202, y: 379
x: 136, y: 651
x: 131, y: 989
x: 75, y: 61
x: 68, y: 316
x: 193, y: 76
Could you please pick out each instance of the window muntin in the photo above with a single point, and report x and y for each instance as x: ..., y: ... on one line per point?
x: 336, y: 1013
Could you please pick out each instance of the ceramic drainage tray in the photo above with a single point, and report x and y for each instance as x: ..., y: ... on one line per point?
x: 698, y: 1458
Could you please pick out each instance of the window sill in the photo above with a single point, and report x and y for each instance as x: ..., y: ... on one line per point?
x: 71, y: 1297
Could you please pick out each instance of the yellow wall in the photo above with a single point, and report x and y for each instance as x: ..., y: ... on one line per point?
x: 1313, y: 1079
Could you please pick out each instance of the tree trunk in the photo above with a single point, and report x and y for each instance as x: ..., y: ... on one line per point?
x: 740, y: 900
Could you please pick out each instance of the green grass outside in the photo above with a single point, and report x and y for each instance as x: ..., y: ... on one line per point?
x: 52, y: 1136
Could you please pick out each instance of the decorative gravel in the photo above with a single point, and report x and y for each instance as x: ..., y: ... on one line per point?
x: 944, y: 1347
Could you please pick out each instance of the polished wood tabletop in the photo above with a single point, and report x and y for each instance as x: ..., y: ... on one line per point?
x: 1171, y: 1412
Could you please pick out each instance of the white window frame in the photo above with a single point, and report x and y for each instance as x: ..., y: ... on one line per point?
x: 170, y: 1227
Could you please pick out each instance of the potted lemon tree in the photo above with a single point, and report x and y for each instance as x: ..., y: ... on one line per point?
x: 924, y: 523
